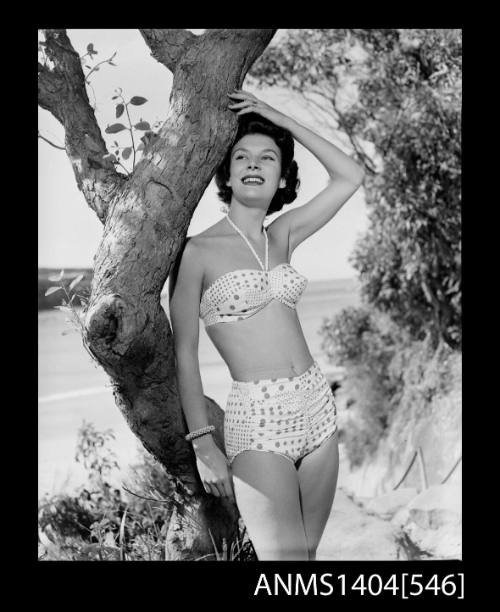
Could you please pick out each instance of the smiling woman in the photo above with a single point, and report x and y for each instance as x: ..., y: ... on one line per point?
x: 281, y: 451
x: 271, y: 150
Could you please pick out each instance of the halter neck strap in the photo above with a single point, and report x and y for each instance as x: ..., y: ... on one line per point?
x: 264, y: 268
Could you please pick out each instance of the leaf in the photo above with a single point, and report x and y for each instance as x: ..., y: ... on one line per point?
x: 90, y: 47
x: 115, y: 128
x: 75, y: 282
x: 51, y: 290
x: 126, y: 152
x: 111, y: 63
x: 114, y: 97
x: 140, y: 147
x: 57, y: 278
x: 137, y: 100
x: 110, y: 156
x: 142, y: 125
x: 119, y: 110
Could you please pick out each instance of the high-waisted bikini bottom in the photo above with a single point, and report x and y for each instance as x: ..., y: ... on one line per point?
x: 290, y: 416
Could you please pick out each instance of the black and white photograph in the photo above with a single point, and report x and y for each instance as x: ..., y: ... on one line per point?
x: 249, y: 294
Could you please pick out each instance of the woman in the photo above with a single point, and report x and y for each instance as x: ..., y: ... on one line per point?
x: 279, y: 427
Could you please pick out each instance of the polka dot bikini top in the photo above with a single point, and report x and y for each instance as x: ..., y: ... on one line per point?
x: 240, y: 294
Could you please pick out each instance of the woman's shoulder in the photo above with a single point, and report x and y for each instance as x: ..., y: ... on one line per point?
x: 215, y: 232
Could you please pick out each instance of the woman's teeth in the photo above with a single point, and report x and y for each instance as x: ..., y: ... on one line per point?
x: 253, y: 181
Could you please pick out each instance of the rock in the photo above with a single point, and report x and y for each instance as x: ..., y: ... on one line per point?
x: 433, y: 520
x: 386, y: 506
x: 435, y: 506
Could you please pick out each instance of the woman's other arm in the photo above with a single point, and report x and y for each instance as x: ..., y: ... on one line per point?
x: 185, y: 284
x: 184, y: 297
x: 345, y: 175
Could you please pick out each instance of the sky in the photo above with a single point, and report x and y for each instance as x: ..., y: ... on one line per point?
x: 69, y: 231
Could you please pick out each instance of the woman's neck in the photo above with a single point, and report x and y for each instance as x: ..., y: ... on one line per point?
x: 249, y: 220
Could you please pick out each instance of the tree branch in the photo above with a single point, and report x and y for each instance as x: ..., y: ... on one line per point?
x: 363, y: 157
x: 167, y: 45
x: 61, y: 91
x: 50, y: 143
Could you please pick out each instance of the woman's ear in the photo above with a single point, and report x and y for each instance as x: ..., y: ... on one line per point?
x: 282, y: 183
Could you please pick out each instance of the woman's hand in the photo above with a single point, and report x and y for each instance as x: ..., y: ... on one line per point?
x: 248, y: 103
x: 213, y: 468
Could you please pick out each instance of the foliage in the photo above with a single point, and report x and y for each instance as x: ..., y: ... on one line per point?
x: 72, y: 298
x: 366, y: 345
x: 120, y: 153
x: 55, y: 298
x: 398, y: 93
x: 388, y: 374
x: 98, y: 523
x: 141, y: 125
x: 93, y: 453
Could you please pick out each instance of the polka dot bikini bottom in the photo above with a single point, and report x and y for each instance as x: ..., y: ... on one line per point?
x: 290, y: 416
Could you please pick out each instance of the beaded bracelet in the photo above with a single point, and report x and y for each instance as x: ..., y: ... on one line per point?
x: 200, y: 432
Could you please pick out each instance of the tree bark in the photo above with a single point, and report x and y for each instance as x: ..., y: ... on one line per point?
x: 146, y: 218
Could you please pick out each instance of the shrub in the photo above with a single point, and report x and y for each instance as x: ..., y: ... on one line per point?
x: 388, y: 374
x: 97, y: 522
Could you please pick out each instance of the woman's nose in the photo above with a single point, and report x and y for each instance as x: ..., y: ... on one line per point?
x: 252, y: 164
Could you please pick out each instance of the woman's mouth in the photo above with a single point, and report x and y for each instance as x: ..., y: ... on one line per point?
x: 252, y: 179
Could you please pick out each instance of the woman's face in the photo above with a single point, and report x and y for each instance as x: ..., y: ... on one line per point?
x: 255, y: 169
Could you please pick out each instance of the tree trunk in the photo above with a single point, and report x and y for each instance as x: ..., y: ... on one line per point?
x: 145, y: 223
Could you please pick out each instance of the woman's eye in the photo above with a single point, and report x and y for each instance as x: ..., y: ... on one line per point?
x: 268, y: 157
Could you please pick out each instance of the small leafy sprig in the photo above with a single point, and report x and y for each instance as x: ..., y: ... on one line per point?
x: 67, y: 304
x: 90, y: 53
x: 94, y: 454
x: 115, y: 128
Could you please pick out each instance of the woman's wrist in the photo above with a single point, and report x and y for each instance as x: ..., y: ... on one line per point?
x: 203, y: 443
x: 289, y: 124
x: 192, y: 435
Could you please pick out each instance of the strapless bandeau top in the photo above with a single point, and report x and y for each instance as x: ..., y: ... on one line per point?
x: 240, y: 294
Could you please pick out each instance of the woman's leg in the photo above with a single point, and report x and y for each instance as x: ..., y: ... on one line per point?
x: 317, y: 475
x: 267, y: 493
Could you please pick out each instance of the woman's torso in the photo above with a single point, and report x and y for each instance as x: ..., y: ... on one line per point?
x: 268, y: 343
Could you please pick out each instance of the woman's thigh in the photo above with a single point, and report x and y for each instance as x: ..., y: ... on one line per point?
x: 266, y: 486
x: 317, y: 474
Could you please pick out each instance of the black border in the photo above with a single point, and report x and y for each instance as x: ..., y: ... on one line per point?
x: 198, y: 583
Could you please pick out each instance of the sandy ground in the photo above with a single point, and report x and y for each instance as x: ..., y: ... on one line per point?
x: 353, y: 535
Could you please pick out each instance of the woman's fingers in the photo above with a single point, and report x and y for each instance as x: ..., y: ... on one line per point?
x: 240, y: 104
x: 242, y: 95
x: 228, y: 489
x: 249, y: 109
x: 220, y: 489
x: 214, y: 489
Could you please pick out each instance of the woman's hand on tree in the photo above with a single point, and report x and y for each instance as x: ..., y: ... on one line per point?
x: 248, y: 103
x: 213, y: 468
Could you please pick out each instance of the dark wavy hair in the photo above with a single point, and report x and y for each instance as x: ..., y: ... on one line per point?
x: 252, y: 123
